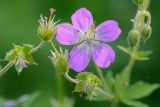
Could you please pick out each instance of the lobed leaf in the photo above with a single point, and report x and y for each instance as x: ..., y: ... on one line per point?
x: 140, y: 90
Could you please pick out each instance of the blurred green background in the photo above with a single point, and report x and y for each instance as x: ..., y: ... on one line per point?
x: 19, y: 22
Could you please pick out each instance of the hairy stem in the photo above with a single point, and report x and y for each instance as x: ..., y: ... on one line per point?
x: 54, y: 48
x: 66, y: 75
x: 38, y: 47
x: 6, y: 68
x: 60, y: 87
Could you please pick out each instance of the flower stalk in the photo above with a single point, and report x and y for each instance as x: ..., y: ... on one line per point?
x: 38, y: 47
x: 138, y: 24
x: 6, y: 68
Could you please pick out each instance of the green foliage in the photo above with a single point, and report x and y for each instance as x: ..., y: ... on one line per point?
x: 133, y: 103
x: 109, y: 82
x: 23, y: 101
x: 140, y: 90
x: 142, y: 55
x: 30, y: 100
x: 68, y: 102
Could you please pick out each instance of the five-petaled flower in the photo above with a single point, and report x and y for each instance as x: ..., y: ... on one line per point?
x: 89, y: 40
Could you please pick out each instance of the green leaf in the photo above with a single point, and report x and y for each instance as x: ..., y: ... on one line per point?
x: 109, y: 81
x: 31, y: 99
x: 133, y: 103
x: 140, y: 90
x: 126, y: 50
x: 142, y: 55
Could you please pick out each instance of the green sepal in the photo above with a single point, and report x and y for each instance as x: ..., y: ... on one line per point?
x: 142, y: 55
x: 79, y: 87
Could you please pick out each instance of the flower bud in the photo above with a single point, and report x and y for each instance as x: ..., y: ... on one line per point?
x: 60, y: 61
x: 133, y: 38
x: 47, y: 27
x: 88, y: 82
x: 146, y: 31
x: 138, y: 2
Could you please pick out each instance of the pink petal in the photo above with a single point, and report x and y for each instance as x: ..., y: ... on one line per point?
x: 79, y: 58
x: 82, y: 19
x: 67, y: 35
x: 103, y: 55
x: 108, y: 31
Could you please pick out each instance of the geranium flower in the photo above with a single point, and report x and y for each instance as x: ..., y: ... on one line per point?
x: 89, y: 40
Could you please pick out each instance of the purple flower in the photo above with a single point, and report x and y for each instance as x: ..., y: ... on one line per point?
x: 89, y: 40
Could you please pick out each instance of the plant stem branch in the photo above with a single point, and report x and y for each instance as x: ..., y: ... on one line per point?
x: 6, y: 68
x: 54, y: 48
x: 38, y: 47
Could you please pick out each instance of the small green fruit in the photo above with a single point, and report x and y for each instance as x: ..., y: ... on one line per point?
x: 146, y: 31
x: 133, y: 38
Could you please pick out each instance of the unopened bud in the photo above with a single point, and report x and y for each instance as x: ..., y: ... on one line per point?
x: 60, y: 61
x: 52, y: 10
x: 133, y: 38
x: 146, y: 31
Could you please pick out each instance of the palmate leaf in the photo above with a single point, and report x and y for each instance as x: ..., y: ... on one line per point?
x: 140, y: 90
x: 109, y: 79
x: 133, y: 103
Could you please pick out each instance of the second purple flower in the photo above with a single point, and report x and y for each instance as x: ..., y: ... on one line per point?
x: 89, y: 40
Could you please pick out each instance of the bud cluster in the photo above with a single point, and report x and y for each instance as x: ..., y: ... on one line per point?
x: 142, y: 28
